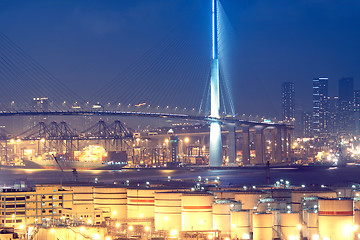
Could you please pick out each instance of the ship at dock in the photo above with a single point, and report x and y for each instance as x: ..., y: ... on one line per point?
x: 90, y: 158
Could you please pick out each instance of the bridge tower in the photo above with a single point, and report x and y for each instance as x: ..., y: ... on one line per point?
x: 215, y: 146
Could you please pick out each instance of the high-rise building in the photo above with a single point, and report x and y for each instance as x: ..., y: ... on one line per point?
x: 299, y: 123
x: 333, y: 125
x: 306, y: 124
x: 320, y: 107
x: 356, y: 102
x: 346, y: 108
x: 288, y: 101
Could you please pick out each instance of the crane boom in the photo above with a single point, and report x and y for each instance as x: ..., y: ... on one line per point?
x: 62, y: 170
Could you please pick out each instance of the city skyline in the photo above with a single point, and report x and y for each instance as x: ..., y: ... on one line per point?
x: 331, y: 115
x: 61, y: 38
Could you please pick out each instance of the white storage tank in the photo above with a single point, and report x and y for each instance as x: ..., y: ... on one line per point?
x: 240, y: 224
x: 262, y: 226
x: 311, y: 224
x: 336, y: 218
x: 290, y: 225
x: 281, y: 194
x: 298, y: 195
x: 140, y: 203
x: 357, y: 201
x: 168, y: 210
x: 112, y: 200
x: 249, y: 199
x: 222, y: 217
x: 196, y: 211
x: 226, y: 194
x: 357, y: 222
x: 271, y: 204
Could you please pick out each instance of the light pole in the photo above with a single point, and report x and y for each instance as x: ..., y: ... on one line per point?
x: 148, y: 229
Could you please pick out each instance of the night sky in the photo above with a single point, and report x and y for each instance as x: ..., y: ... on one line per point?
x: 88, y: 43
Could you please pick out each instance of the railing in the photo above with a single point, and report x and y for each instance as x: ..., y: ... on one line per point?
x: 77, y: 232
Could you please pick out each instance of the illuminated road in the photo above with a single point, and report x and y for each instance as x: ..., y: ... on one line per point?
x: 135, y: 114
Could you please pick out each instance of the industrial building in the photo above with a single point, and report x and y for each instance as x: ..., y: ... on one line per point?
x: 174, y: 209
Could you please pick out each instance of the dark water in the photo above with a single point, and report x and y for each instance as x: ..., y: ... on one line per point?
x: 237, y: 176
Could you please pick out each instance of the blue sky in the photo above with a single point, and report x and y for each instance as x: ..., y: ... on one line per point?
x: 88, y: 43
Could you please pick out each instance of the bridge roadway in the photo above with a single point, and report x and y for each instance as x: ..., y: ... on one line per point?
x: 139, y: 114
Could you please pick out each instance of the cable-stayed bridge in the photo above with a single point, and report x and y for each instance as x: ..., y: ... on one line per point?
x: 28, y: 89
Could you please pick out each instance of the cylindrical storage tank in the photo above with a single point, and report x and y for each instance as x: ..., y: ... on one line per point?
x: 221, y: 215
x: 357, y: 222
x: 281, y: 193
x: 336, y: 218
x: 265, y: 204
x: 298, y: 195
x: 290, y: 225
x: 356, y: 194
x: 357, y: 202
x: 262, y: 226
x: 140, y: 203
x: 240, y: 224
x: 311, y: 224
x: 225, y: 194
x: 196, y: 211
x: 249, y: 199
x: 112, y: 200
x: 168, y: 210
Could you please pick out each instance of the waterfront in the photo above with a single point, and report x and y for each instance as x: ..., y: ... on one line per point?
x: 236, y: 176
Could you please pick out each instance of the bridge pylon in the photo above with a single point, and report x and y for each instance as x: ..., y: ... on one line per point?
x: 215, y: 146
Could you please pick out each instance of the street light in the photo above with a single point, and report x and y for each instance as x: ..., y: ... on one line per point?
x: 53, y: 232
x: 173, y: 233
x: 148, y: 229
x: 114, y: 213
